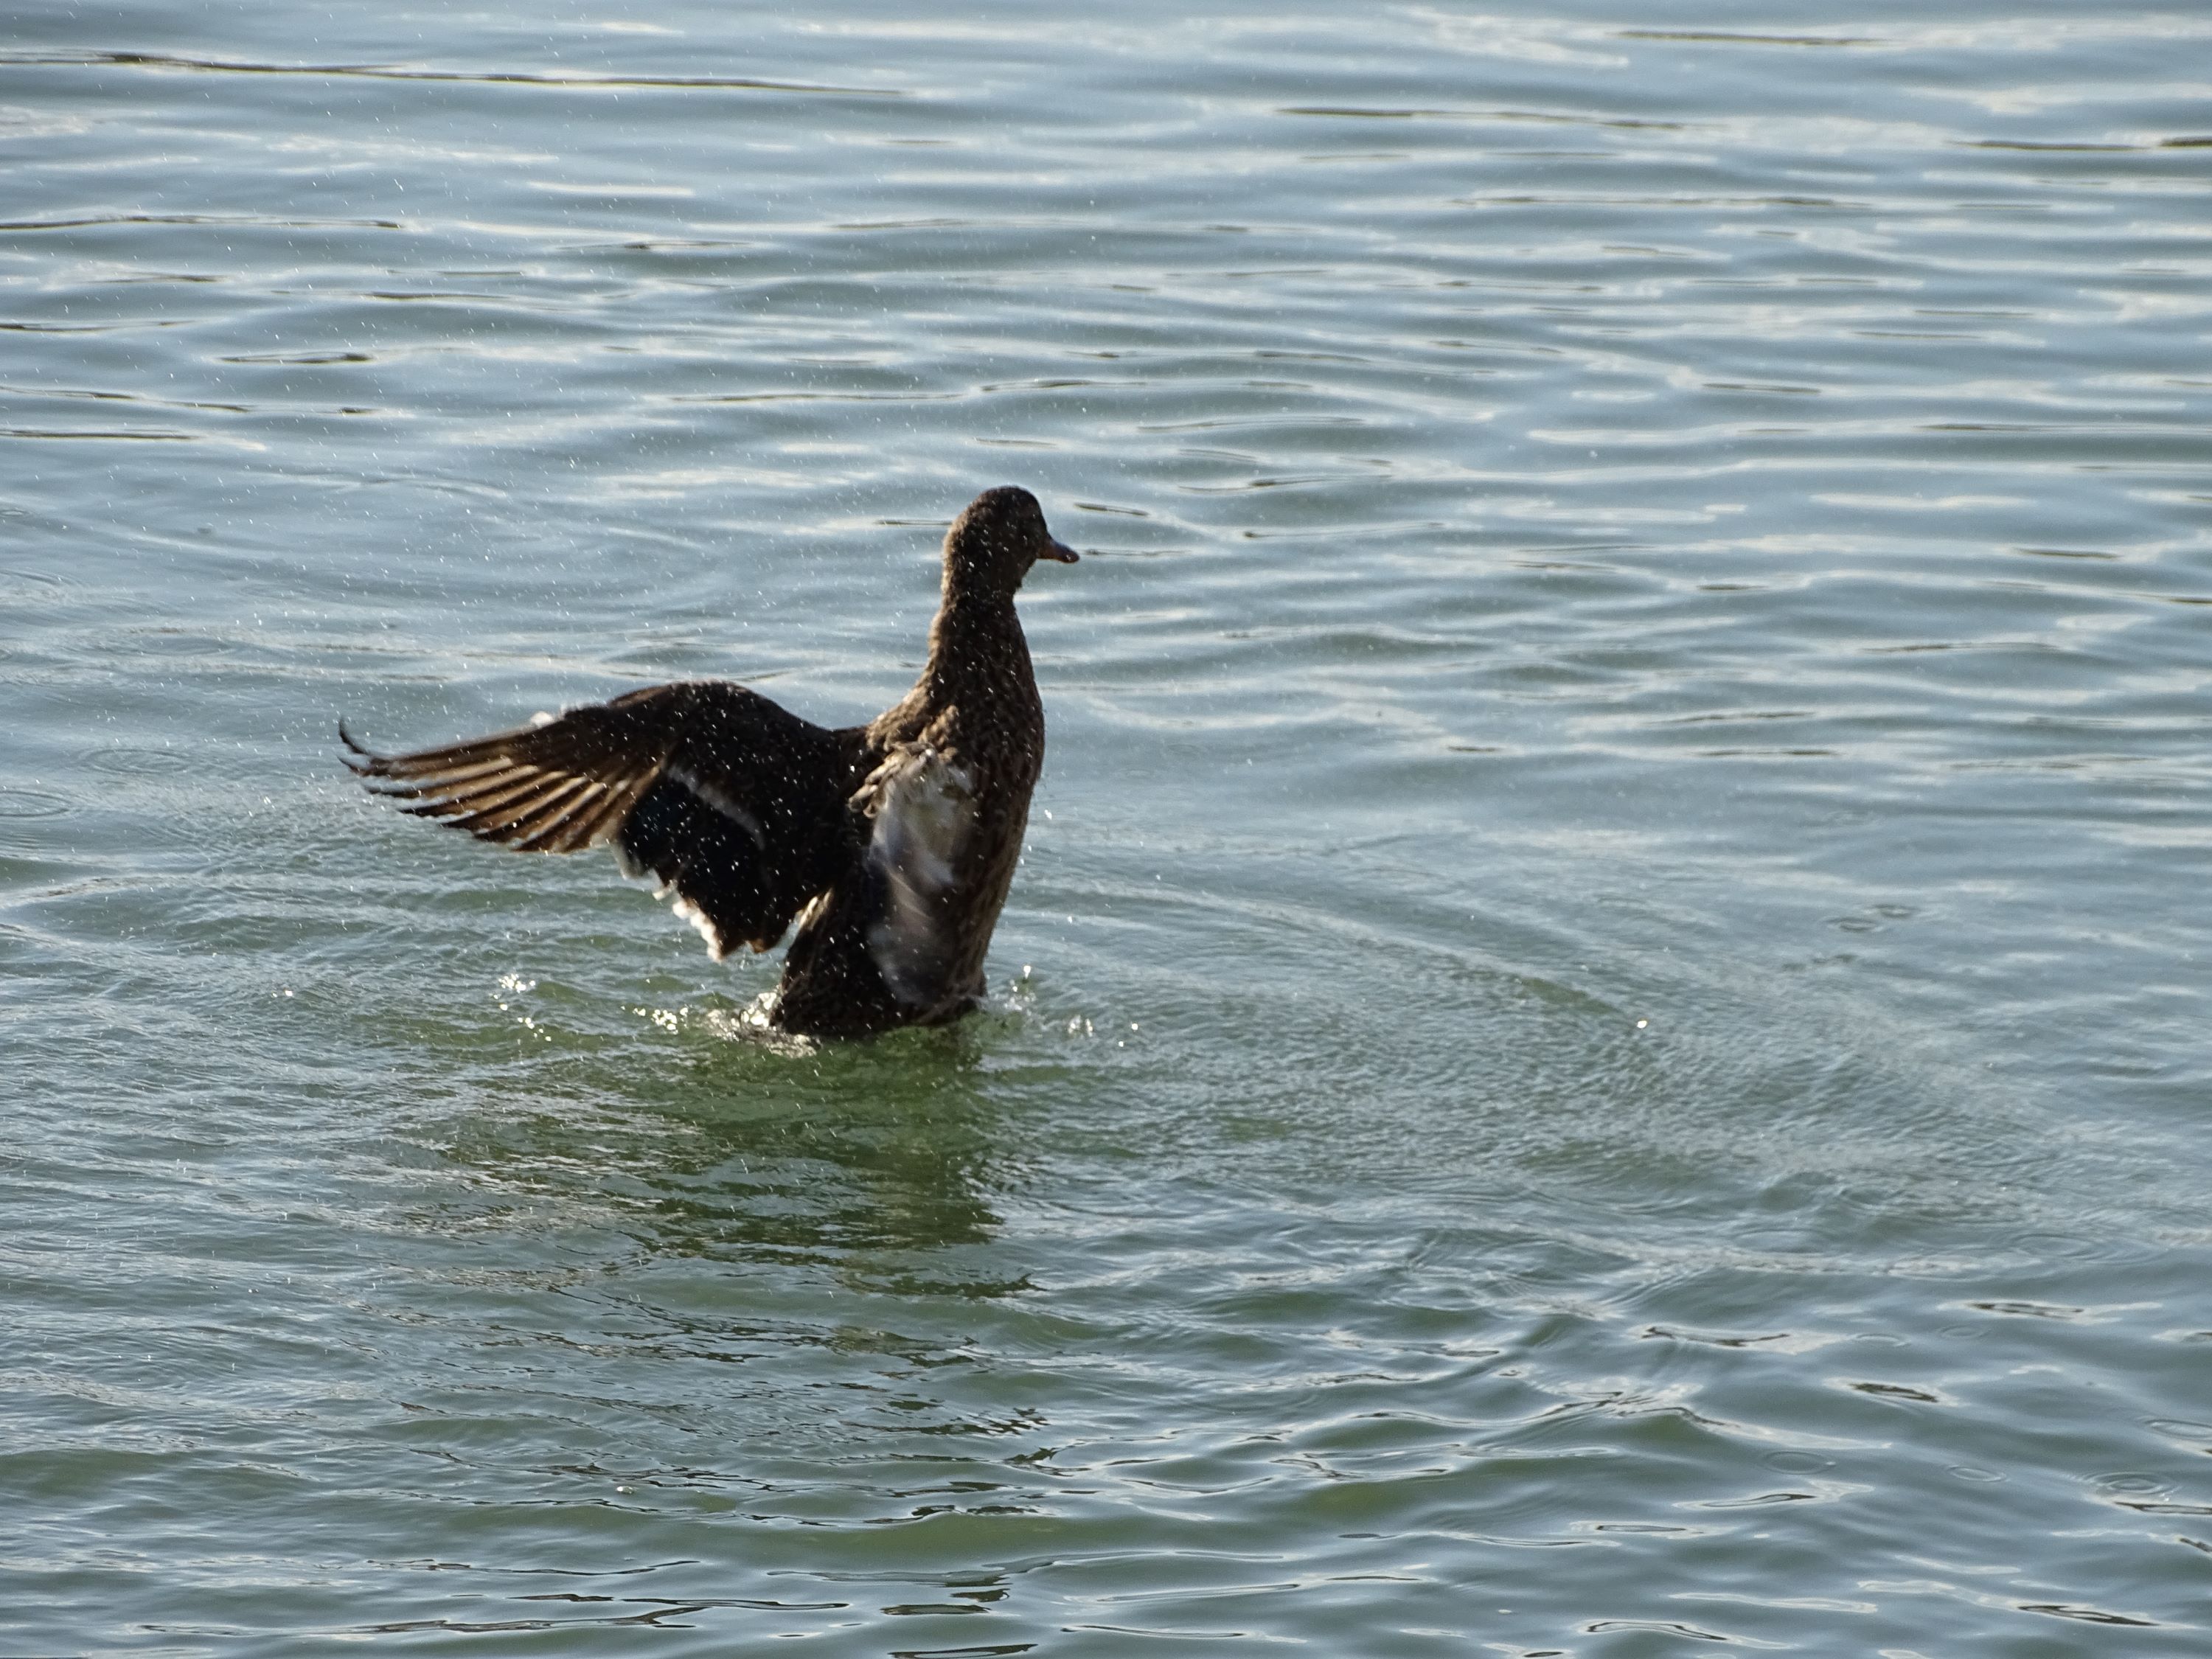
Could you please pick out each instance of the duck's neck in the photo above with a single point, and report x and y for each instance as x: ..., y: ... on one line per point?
x: 976, y: 650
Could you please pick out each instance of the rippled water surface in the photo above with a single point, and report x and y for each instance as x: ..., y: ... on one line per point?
x: 1600, y: 1045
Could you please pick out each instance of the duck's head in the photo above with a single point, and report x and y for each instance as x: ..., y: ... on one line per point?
x: 995, y: 540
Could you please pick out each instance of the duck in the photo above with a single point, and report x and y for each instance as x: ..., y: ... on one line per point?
x: 886, y: 850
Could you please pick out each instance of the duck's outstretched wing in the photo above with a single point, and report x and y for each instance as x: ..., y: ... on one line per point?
x: 736, y: 803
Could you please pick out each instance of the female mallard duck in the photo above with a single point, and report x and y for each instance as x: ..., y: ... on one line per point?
x: 891, y: 843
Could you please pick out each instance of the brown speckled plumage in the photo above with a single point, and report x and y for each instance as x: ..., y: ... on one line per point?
x: 892, y: 844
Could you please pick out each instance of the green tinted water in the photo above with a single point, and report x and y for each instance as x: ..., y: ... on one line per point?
x: 1599, y: 1046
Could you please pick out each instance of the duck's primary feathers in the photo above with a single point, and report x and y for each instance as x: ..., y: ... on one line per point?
x: 891, y: 844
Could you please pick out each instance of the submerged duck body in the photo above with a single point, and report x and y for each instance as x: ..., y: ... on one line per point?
x: 891, y: 844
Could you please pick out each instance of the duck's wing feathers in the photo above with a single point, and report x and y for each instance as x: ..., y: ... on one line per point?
x: 735, y: 804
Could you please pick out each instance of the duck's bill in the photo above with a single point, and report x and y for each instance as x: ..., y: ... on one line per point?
x: 1059, y: 551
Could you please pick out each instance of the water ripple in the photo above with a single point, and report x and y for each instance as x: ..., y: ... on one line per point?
x: 1606, y: 960
x: 561, y: 78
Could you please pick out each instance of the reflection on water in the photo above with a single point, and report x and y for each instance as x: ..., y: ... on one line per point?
x: 872, y: 1160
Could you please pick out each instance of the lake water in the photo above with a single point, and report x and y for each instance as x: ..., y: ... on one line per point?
x: 1601, y: 1045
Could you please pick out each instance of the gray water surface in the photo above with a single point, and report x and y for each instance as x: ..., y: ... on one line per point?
x: 1600, y: 1046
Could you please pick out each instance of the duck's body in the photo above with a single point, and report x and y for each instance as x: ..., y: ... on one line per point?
x: 891, y: 844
